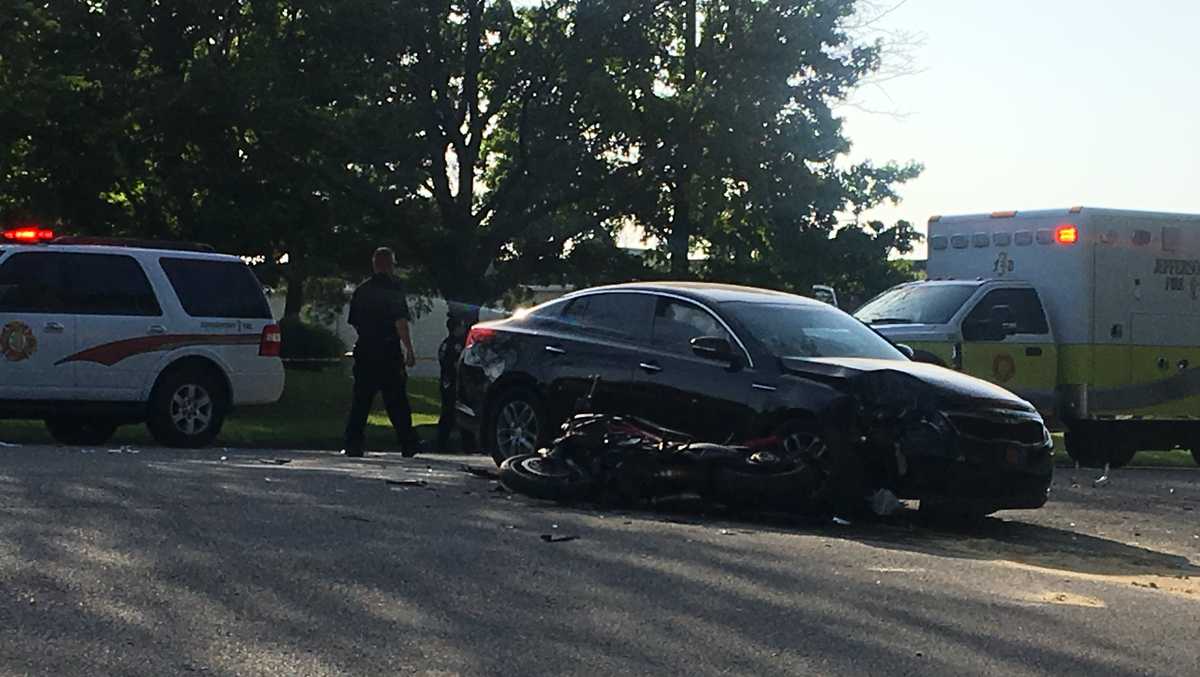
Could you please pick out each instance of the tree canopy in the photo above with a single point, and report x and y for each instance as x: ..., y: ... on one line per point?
x: 492, y: 143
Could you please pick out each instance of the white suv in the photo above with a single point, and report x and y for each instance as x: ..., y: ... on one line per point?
x: 96, y: 333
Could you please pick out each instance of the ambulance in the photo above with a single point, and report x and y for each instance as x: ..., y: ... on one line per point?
x: 1092, y: 315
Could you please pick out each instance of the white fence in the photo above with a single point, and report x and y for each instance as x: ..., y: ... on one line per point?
x: 428, y: 330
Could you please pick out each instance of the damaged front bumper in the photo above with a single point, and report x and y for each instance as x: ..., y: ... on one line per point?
x: 990, y: 460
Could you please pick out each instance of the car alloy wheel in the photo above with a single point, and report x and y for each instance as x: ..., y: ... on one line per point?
x: 517, y: 429
x: 805, y: 446
x: 191, y: 409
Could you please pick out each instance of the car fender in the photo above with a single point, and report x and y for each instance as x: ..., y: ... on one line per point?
x: 799, y: 397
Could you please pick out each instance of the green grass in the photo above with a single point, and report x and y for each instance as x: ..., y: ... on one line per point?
x: 311, y: 415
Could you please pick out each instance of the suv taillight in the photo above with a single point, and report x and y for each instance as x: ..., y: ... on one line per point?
x: 479, y: 335
x: 271, y: 341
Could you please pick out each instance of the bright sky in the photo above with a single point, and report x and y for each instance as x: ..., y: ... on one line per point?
x: 1030, y: 104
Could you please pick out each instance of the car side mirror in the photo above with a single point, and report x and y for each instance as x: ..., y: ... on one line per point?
x: 713, y: 348
x: 905, y: 350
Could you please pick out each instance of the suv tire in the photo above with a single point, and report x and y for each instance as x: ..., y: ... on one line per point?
x: 78, y: 431
x: 187, y: 408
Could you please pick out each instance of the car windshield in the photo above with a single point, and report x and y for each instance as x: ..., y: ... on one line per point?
x: 916, y: 304
x: 802, y: 330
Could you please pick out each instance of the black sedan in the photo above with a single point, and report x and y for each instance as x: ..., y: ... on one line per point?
x: 725, y: 363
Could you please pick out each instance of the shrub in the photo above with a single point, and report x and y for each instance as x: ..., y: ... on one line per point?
x: 303, y: 341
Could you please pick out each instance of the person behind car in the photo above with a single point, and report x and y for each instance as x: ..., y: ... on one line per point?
x: 448, y: 354
x: 379, y: 312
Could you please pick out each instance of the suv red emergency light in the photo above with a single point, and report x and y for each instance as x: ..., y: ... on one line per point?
x: 1067, y: 234
x: 28, y: 235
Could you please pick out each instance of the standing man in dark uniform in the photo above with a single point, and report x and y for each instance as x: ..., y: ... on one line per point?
x: 379, y: 312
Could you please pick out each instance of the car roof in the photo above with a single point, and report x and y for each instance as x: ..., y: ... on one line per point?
x: 708, y: 291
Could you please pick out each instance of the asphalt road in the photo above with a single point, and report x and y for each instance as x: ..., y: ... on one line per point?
x: 168, y: 563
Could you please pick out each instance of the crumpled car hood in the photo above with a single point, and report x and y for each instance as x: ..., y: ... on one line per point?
x: 949, y: 384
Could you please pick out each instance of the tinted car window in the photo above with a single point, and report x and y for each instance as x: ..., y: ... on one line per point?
x: 676, y: 323
x: 796, y: 330
x: 33, y: 282
x: 1025, y: 305
x: 619, y: 315
x: 209, y: 288
x: 108, y: 284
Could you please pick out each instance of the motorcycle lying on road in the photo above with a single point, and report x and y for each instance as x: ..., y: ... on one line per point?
x: 629, y: 460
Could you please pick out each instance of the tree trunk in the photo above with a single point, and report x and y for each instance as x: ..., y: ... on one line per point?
x: 680, y: 238
x: 679, y: 242
x: 294, y: 301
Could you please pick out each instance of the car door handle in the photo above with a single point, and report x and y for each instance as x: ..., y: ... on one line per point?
x: 55, y: 328
x: 650, y: 367
x: 1033, y: 352
x: 157, y: 329
x: 555, y: 350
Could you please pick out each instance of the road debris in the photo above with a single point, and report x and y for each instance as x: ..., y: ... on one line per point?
x: 885, y: 503
x: 481, y: 473
x: 9, y: 445
x: 407, y: 483
x: 551, y: 538
x: 275, y: 461
x: 355, y: 518
x: 841, y: 522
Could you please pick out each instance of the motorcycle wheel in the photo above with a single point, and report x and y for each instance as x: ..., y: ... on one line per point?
x: 540, y: 477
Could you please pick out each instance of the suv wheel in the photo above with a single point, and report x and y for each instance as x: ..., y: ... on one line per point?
x: 187, y: 409
x: 76, y: 431
x: 517, y: 427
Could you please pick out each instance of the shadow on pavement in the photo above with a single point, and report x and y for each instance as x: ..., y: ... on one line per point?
x: 183, y: 563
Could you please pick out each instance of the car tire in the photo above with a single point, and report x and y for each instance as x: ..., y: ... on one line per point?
x: 516, y: 426
x: 78, y: 431
x: 1083, y: 447
x: 1196, y: 453
x: 1122, y: 456
x: 545, y: 478
x: 1091, y: 446
x: 187, y: 408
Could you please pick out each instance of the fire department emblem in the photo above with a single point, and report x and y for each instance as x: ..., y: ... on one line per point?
x: 17, y: 341
x: 1003, y: 367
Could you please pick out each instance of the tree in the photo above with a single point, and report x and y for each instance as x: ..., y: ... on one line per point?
x: 192, y: 120
x: 726, y: 109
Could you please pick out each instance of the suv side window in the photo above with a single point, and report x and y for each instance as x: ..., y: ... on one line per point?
x: 109, y: 284
x: 610, y: 315
x: 33, y: 282
x: 676, y: 323
x: 1025, y: 305
x: 208, y: 288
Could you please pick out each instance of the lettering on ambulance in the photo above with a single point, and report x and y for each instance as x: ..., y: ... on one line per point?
x: 1176, y: 274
